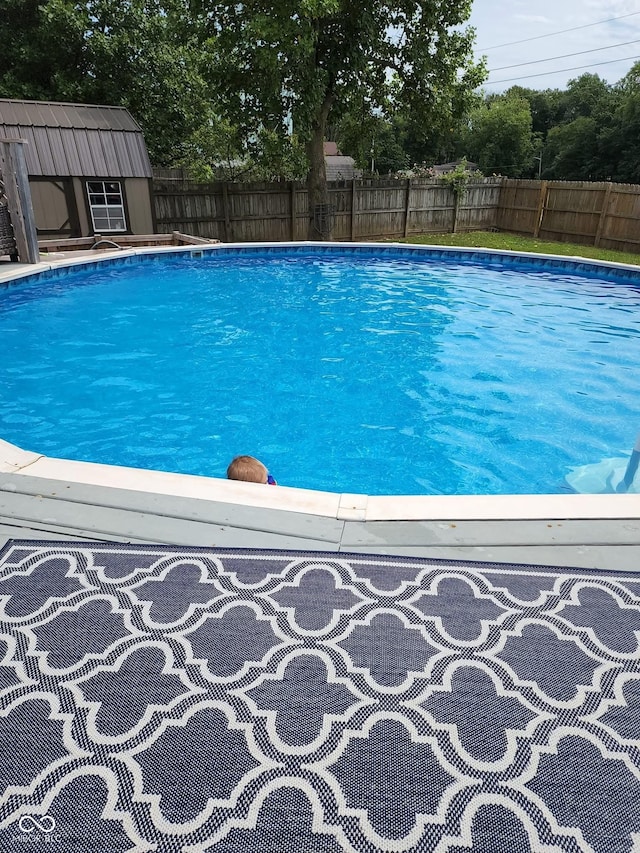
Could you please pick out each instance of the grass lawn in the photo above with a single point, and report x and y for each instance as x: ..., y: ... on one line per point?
x: 518, y: 243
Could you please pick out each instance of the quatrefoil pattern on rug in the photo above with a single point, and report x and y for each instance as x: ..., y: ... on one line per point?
x: 184, y: 700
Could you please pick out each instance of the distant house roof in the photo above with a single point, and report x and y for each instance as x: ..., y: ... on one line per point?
x: 340, y: 168
x: 79, y: 140
x: 443, y: 168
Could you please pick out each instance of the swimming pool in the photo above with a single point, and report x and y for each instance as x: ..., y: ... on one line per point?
x: 353, y: 369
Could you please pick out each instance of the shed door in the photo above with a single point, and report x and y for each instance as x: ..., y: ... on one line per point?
x: 54, y: 207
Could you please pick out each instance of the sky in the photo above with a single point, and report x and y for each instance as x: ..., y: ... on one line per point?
x: 537, y: 36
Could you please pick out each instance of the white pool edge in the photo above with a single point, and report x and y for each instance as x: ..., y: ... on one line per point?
x: 347, y: 507
x: 56, y: 260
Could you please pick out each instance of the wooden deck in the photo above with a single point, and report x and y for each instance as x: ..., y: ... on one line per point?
x: 143, y: 509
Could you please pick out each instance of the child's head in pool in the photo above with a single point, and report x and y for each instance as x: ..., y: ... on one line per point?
x: 250, y: 469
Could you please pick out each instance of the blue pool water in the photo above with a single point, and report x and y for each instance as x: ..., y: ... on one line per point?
x: 342, y: 370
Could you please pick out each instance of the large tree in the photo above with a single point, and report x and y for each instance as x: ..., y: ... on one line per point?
x: 574, y: 148
x: 499, y: 137
x: 141, y: 54
x: 278, y: 64
x: 144, y: 58
x: 584, y: 96
x: 546, y: 107
x: 619, y: 139
x: 374, y: 142
x: 571, y: 151
x: 42, y: 50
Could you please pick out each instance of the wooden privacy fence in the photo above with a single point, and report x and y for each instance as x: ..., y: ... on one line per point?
x: 601, y: 214
x: 359, y: 209
x: 593, y: 214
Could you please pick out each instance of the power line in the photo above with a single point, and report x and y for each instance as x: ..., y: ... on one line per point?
x: 559, y: 32
x: 564, y: 56
x: 563, y: 70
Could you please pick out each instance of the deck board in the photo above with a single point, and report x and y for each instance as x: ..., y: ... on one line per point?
x: 604, y: 557
x: 104, y: 513
x: 612, y: 557
x: 507, y: 541
x: 54, y: 498
x: 486, y: 533
x: 11, y: 530
x: 47, y: 507
x: 105, y: 525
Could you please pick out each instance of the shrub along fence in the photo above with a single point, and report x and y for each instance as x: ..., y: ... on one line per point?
x: 601, y: 214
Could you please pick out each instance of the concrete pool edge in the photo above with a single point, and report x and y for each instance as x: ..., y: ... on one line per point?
x: 16, y: 463
x: 59, y: 260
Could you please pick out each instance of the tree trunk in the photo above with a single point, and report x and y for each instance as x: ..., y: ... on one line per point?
x: 321, y: 214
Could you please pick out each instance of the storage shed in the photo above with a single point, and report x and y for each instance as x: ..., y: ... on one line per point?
x: 88, y: 167
x: 338, y: 166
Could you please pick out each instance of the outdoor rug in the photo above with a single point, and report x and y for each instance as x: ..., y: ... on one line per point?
x: 185, y: 699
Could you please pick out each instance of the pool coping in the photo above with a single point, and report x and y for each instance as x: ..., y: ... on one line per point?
x: 59, y: 260
x: 341, y: 506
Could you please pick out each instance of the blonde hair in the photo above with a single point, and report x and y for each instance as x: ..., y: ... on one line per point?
x: 247, y: 468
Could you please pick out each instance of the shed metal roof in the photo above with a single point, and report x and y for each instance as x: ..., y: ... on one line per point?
x: 80, y: 140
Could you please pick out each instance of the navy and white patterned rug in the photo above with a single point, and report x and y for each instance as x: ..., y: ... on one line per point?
x: 185, y: 699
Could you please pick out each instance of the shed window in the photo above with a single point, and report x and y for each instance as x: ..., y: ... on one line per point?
x: 106, y: 205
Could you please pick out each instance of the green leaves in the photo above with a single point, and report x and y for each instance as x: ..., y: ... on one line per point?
x: 318, y: 8
x: 499, y: 136
x: 132, y: 53
x: 459, y: 177
x: 204, y: 76
x: 280, y: 63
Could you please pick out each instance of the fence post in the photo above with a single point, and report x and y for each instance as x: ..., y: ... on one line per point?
x: 455, y: 211
x: 407, y: 209
x: 353, y: 209
x: 292, y: 202
x: 542, y: 203
x: 16, y: 186
x: 228, y: 236
x: 606, y: 202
